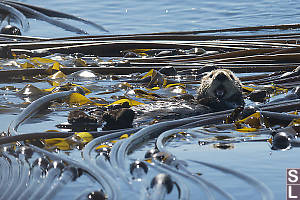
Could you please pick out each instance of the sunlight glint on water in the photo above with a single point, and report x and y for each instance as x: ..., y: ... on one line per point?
x: 133, y: 16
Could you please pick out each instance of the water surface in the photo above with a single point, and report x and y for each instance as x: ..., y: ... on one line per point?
x: 134, y: 16
x: 131, y: 16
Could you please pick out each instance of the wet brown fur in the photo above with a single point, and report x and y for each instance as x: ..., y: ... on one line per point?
x: 230, y: 84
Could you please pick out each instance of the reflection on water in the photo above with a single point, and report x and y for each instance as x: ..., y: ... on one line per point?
x: 229, y: 149
x: 220, y: 145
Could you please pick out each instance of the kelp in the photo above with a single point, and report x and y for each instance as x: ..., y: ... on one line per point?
x: 52, y: 13
x: 222, y: 52
x: 271, y: 59
x: 20, y: 11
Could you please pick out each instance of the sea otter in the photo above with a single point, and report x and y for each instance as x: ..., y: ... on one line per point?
x: 220, y: 89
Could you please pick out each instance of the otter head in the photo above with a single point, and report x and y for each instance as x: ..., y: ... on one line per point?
x: 222, y: 86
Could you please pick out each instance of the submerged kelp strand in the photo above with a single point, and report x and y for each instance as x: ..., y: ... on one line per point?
x: 112, y: 164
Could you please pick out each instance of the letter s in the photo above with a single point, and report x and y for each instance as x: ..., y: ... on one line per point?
x: 293, y: 176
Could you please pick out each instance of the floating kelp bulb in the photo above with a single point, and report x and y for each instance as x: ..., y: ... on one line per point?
x: 104, y: 154
x: 163, y: 157
x: 42, y: 162
x: 223, y: 146
x: 162, y: 181
x: 83, y: 74
x: 103, y: 150
x: 30, y: 90
x: 138, y: 169
x: 10, y: 30
x: 26, y: 151
x: 97, y: 195
x: 57, y: 165
x: 150, y: 153
x: 281, y: 141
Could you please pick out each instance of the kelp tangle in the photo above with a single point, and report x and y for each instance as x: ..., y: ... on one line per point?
x: 122, y: 106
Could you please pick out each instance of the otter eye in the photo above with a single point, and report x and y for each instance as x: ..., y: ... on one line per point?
x: 211, y: 75
x: 231, y: 76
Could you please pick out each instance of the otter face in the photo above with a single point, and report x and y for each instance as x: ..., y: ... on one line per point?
x: 221, y: 84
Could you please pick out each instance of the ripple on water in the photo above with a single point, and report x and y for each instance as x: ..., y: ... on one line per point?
x: 133, y: 16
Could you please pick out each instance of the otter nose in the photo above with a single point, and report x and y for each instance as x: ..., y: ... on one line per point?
x: 221, y: 77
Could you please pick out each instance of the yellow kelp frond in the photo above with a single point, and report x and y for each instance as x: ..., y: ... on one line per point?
x: 130, y: 101
x: 27, y: 65
x: 85, y: 136
x: 59, y: 143
x: 148, y: 74
x: 250, y: 123
x: 78, y: 99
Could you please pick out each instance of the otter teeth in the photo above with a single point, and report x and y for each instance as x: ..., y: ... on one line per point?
x: 220, y: 92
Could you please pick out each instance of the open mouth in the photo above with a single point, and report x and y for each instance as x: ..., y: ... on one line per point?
x: 220, y: 92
